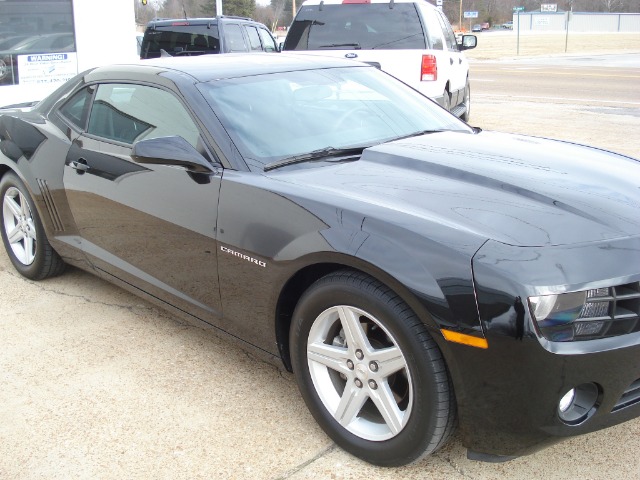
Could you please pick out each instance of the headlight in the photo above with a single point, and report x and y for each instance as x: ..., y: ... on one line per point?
x: 588, y: 314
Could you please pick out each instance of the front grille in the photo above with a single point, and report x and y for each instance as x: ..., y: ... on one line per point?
x: 609, y: 312
x: 631, y: 396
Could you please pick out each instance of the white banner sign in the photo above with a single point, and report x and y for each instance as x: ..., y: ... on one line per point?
x: 46, y: 68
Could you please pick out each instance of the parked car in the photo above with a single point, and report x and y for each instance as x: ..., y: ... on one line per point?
x: 485, y: 26
x: 413, y: 41
x: 198, y: 36
x: 508, y: 25
x: 476, y: 28
x: 414, y: 272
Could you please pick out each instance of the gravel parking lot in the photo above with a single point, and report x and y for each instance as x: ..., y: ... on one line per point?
x: 99, y: 384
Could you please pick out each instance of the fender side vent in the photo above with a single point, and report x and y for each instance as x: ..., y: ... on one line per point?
x: 56, y: 221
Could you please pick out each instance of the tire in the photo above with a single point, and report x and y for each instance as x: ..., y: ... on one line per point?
x: 23, y: 234
x: 446, y: 101
x: 467, y: 101
x: 358, y: 350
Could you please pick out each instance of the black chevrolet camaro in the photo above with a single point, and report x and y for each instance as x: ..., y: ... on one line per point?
x: 414, y: 273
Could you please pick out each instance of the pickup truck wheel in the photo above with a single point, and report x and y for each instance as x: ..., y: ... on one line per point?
x: 467, y: 101
x: 446, y: 101
x: 369, y: 371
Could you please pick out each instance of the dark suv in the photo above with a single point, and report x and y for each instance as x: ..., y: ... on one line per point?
x: 198, y: 36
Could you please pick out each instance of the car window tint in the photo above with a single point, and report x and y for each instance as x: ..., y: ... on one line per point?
x: 234, y: 38
x: 345, y: 26
x: 129, y: 113
x: 75, y: 109
x: 449, y: 36
x: 267, y: 40
x: 434, y: 29
x: 181, y: 40
x: 254, y: 38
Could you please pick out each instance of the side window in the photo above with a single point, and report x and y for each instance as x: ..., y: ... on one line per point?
x: 76, y: 108
x: 254, y: 38
x: 234, y: 38
x: 267, y: 40
x: 434, y: 29
x: 129, y: 113
x: 449, y: 36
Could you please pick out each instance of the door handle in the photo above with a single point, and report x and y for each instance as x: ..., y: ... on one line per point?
x: 80, y: 166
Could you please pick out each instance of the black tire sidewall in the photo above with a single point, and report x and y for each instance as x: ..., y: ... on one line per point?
x: 35, y: 270
x: 467, y: 95
x: 416, y: 438
x: 446, y: 101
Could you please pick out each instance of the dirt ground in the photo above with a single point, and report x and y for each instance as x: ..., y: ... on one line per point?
x: 504, y: 44
x: 98, y: 384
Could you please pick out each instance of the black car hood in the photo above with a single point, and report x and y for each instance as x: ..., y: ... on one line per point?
x: 515, y: 189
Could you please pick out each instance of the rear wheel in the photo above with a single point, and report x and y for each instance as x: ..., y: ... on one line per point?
x: 467, y: 102
x: 369, y: 371
x: 446, y: 101
x: 23, y: 234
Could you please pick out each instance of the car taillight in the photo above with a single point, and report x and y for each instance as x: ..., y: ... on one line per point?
x: 429, y: 69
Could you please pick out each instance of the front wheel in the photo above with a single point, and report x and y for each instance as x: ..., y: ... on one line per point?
x: 369, y: 371
x: 23, y: 234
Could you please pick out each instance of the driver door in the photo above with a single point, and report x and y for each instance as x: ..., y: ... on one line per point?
x: 151, y: 226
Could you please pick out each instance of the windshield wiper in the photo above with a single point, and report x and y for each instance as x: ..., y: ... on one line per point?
x: 321, y: 154
x: 334, y: 45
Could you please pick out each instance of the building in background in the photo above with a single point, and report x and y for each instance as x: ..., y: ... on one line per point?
x: 45, y: 42
x: 578, y: 21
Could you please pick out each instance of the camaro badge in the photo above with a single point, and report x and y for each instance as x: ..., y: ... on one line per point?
x: 243, y: 256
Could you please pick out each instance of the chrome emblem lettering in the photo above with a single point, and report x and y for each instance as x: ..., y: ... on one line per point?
x: 260, y: 263
x: 351, y: 55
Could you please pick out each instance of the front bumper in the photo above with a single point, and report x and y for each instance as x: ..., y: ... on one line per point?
x: 508, y: 394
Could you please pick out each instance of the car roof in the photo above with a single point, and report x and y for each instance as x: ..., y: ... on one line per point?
x: 205, y: 68
x: 168, y: 22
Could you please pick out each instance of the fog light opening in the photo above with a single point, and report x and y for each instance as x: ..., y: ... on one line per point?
x: 579, y: 403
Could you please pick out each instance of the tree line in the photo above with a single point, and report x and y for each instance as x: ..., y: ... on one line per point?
x: 278, y: 14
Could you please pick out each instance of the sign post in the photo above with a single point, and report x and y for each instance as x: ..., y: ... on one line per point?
x: 470, y: 15
x: 517, y: 10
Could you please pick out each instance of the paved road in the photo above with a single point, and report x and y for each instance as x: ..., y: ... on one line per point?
x: 597, y: 104
x: 97, y: 384
x: 575, y: 82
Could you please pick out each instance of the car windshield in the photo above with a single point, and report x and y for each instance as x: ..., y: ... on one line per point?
x: 275, y: 116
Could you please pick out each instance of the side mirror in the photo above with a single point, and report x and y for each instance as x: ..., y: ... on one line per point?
x: 469, y: 42
x: 172, y: 151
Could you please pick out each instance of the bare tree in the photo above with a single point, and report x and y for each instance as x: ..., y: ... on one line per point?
x: 612, y: 5
x: 277, y: 7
